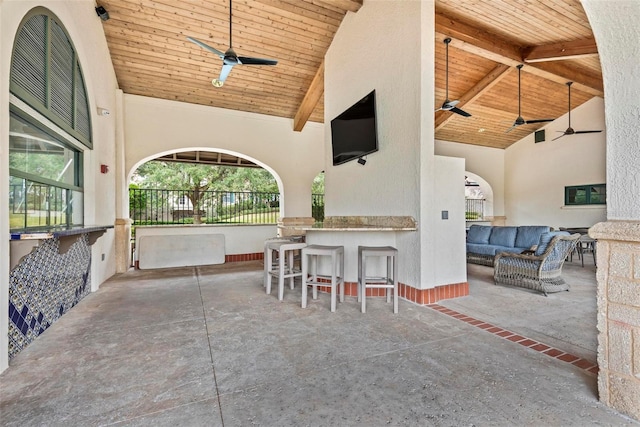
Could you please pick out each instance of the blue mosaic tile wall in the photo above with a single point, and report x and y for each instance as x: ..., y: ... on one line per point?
x: 44, y: 286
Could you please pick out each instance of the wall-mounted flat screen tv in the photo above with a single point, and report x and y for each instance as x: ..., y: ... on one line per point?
x: 354, y: 133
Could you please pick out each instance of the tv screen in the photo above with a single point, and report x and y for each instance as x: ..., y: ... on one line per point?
x: 354, y: 133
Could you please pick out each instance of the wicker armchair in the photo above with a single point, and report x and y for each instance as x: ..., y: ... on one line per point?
x: 539, y: 271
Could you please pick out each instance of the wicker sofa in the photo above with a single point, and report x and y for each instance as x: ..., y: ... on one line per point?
x: 484, y: 242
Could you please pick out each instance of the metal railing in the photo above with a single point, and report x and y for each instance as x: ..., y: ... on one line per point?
x: 317, y: 207
x: 474, y: 210
x: 155, y: 206
x: 37, y: 205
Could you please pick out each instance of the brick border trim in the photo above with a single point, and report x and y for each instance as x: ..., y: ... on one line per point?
x: 584, y: 364
x: 256, y: 256
x: 418, y: 296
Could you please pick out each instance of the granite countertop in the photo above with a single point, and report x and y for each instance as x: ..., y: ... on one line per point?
x: 358, y: 227
x: 52, y: 232
x: 361, y: 223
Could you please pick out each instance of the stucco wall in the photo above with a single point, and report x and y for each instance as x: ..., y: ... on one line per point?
x: 449, y: 201
x: 400, y: 179
x: 615, y: 26
x: 85, y: 30
x: 294, y: 158
x: 536, y: 174
x: 357, y: 62
x: 486, y: 162
x: 618, y: 37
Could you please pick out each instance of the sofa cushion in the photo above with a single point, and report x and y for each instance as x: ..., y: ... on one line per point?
x: 480, y: 249
x: 479, y: 234
x: 529, y: 235
x: 503, y: 236
x: 545, y: 239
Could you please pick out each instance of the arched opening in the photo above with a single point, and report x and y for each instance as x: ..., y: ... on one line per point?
x: 234, y: 200
x: 211, y: 157
x: 478, y: 198
x: 202, y: 187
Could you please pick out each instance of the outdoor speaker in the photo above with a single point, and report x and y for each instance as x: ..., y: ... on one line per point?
x: 539, y: 136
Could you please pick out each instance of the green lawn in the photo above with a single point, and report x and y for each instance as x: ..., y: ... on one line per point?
x: 255, y: 218
x: 17, y: 221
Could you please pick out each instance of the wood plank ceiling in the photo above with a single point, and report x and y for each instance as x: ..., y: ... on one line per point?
x: 152, y: 57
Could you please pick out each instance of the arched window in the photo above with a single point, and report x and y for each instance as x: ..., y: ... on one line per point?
x: 50, y: 126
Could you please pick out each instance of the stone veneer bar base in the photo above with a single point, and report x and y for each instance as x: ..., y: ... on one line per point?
x: 618, y: 275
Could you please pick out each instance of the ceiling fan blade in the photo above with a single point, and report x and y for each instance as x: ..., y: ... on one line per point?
x: 588, y: 131
x: 224, y: 73
x: 245, y: 60
x: 206, y: 46
x: 558, y: 137
x: 511, y: 128
x: 448, y: 105
x: 459, y: 111
x: 528, y: 122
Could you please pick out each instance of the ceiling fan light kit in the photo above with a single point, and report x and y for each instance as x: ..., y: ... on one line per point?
x: 229, y: 58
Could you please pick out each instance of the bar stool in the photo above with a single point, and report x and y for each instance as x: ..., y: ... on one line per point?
x: 274, y: 259
x: 285, y: 268
x: 270, y: 261
x: 388, y: 281
x: 336, y: 279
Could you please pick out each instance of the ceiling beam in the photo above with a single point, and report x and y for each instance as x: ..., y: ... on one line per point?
x: 477, y: 41
x: 560, y: 72
x: 310, y: 100
x: 350, y: 5
x: 480, y: 42
x: 486, y: 83
x: 563, y: 50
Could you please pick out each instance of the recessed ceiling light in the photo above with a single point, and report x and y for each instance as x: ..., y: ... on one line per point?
x: 481, y: 130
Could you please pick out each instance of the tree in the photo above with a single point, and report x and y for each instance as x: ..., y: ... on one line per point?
x: 251, y: 179
x: 197, y: 179
x: 318, y: 184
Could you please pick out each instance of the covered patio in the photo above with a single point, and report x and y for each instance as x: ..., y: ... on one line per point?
x: 205, y: 346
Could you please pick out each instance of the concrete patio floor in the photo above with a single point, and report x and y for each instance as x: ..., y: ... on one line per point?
x: 206, y: 347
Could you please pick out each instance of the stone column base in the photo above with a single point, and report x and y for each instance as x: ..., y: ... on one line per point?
x: 618, y: 260
x: 123, y: 244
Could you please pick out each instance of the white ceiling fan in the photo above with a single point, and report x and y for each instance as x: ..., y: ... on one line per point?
x: 229, y: 58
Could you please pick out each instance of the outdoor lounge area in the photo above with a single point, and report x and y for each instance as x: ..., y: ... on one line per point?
x: 205, y: 346
x: 109, y: 321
